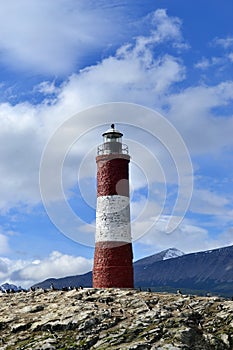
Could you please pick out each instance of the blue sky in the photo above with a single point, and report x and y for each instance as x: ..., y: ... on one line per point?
x: 59, y: 59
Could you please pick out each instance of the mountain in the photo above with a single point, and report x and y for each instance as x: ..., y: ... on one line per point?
x: 7, y: 287
x: 204, y: 272
x: 207, y: 271
x: 164, y: 255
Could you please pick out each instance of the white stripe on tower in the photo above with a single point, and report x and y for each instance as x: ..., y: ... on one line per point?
x: 113, y: 219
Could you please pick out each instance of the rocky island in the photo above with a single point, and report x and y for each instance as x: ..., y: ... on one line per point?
x: 114, y: 319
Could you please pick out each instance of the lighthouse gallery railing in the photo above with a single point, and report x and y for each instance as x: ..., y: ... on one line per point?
x: 112, y: 148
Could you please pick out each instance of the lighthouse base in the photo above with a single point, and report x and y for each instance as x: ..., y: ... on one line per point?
x: 113, y: 266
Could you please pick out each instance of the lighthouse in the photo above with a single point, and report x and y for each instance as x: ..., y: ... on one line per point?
x: 113, y: 267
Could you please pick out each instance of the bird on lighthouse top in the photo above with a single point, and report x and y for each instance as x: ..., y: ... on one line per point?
x: 112, y: 132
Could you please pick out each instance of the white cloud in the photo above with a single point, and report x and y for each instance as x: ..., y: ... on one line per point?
x: 53, y: 37
x: 205, y: 63
x: 224, y: 42
x: 130, y: 77
x: 208, y: 202
x: 188, y: 237
x: 230, y: 56
x: 4, y: 244
x: 46, y: 88
x: 56, y: 265
x: 21, y: 143
x: 167, y: 28
x: 192, y: 113
x: 149, y: 228
x: 133, y: 74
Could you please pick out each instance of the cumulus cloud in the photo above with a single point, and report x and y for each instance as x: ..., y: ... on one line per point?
x: 188, y: 237
x: 127, y: 76
x: 56, y: 265
x: 21, y: 144
x: 54, y: 37
x: 165, y: 29
x: 226, y: 43
x: 192, y: 112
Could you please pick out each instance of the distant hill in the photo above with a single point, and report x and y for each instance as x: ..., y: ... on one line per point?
x: 208, y: 271
x: 70, y: 281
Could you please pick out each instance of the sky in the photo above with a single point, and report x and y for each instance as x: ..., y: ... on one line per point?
x: 163, y: 72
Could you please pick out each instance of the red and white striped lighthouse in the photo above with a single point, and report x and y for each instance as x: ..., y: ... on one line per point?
x: 113, y: 247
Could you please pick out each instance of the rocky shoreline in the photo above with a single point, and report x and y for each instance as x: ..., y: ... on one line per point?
x: 114, y: 319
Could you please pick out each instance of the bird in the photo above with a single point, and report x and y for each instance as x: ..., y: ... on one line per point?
x: 112, y: 126
x: 52, y: 287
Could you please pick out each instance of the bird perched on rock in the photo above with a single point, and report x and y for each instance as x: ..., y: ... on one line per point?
x: 52, y: 287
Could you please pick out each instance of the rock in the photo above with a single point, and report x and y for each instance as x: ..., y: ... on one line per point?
x: 46, y: 346
x: 18, y: 327
x: 114, y: 318
x: 188, y: 336
x: 225, y: 339
x: 167, y: 347
x: 35, y: 308
x: 142, y: 346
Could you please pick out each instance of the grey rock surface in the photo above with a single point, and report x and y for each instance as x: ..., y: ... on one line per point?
x: 114, y: 319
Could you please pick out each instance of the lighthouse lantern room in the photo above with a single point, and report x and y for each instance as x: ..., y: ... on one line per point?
x: 112, y: 143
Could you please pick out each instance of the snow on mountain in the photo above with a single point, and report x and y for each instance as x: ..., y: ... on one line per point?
x: 169, y: 253
x: 7, y: 286
x: 172, y: 253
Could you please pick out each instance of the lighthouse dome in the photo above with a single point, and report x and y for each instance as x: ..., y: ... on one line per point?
x: 112, y: 133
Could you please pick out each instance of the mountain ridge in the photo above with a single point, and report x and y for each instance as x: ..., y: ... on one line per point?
x: 86, y: 279
x: 209, y: 271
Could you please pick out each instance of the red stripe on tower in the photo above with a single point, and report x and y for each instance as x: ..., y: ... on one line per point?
x: 113, y: 265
